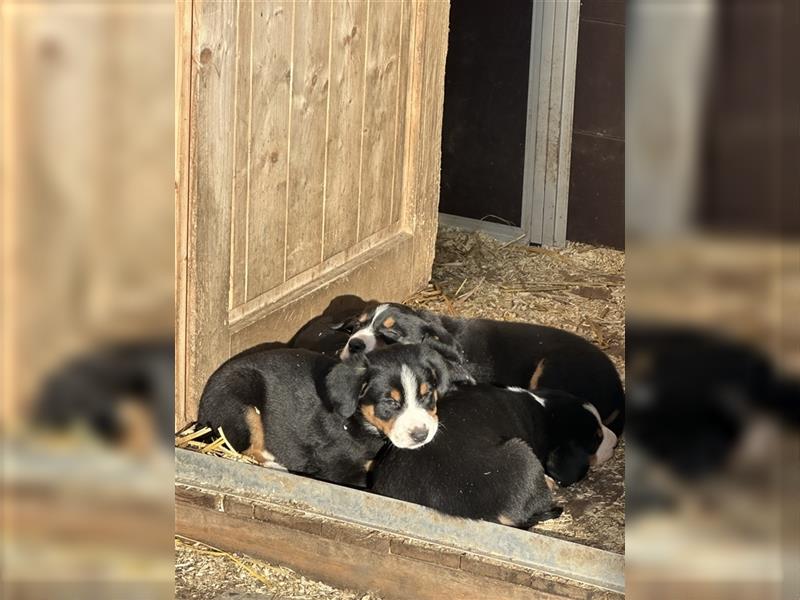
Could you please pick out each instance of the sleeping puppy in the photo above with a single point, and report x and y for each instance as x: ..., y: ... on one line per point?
x: 486, y: 461
x: 503, y: 353
x: 315, y: 415
x: 327, y: 333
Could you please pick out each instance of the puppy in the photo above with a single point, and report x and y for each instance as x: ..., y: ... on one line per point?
x: 312, y: 414
x: 122, y: 393
x: 503, y: 353
x: 328, y: 333
x: 486, y: 462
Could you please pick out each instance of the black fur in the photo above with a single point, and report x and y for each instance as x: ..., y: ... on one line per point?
x: 486, y: 460
x: 505, y: 353
x: 91, y: 389
x: 309, y: 404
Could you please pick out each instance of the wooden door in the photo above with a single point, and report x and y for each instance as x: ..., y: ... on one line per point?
x: 309, y: 143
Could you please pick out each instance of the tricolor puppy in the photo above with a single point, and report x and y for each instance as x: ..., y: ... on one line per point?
x: 328, y: 333
x: 312, y: 414
x: 486, y: 461
x: 502, y: 353
x: 492, y: 452
x: 573, y: 436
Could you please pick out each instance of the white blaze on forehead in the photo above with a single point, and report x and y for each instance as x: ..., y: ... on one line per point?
x: 413, y: 416
x: 409, y: 382
x: 367, y: 334
x: 520, y: 390
x: 606, y: 448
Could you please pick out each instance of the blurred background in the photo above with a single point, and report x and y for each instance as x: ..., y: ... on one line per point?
x: 713, y: 281
x: 713, y: 290
x: 87, y: 319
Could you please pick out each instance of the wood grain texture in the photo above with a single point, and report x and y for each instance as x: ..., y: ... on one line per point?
x: 269, y: 145
x: 277, y: 123
x: 380, y: 110
x: 431, y: 49
x: 240, y: 192
x: 401, y: 140
x: 310, y: 86
x: 183, y: 62
x: 348, y: 47
x: 347, y: 565
x: 211, y: 170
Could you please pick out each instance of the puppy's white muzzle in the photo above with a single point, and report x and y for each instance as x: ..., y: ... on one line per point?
x: 606, y: 448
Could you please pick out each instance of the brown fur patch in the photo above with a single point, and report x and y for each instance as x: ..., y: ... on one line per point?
x: 537, y: 374
x: 432, y: 411
x: 363, y: 317
x: 139, y: 433
x: 389, y: 322
x: 256, y: 450
x: 368, y: 465
x: 396, y: 394
x: 423, y: 389
x: 369, y: 414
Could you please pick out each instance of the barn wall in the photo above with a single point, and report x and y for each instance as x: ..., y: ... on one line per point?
x: 597, y: 179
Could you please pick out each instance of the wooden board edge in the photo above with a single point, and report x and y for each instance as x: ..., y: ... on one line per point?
x: 356, y: 558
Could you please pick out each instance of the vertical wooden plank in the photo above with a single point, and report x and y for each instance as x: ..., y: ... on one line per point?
x: 556, y: 26
x: 240, y: 197
x: 554, y: 123
x: 401, y: 111
x: 543, y: 113
x: 310, y: 72
x: 383, y: 45
x: 531, y: 131
x: 348, y: 45
x: 183, y: 64
x: 572, y: 19
x: 430, y: 39
x: 269, y: 144
x: 211, y: 169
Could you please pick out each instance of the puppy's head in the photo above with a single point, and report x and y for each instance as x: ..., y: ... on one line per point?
x: 579, y: 437
x: 385, y: 324
x: 393, y: 391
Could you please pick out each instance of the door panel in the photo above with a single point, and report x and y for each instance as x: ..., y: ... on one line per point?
x: 313, y: 164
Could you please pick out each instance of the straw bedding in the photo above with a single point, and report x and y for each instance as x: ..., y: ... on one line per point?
x: 579, y: 288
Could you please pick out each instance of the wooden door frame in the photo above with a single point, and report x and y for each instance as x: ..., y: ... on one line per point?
x: 548, y: 136
x: 183, y: 71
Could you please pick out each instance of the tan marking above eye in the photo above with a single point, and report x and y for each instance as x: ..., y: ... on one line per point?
x: 368, y: 411
x: 396, y: 394
x: 424, y: 389
x: 389, y: 322
x: 363, y: 318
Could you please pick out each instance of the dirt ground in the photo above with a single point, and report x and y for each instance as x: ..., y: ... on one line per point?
x: 579, y: 288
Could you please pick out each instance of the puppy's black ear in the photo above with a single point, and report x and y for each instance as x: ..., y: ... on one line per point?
x: 347, y: 326
x: 568, y: 463
x: 433, y: 331
x: 344, y: 384
x: 446, y: 365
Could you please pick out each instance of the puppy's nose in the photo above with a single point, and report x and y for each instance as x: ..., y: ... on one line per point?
x: 418, y: 434
x: 356, y: 345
